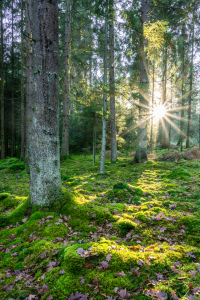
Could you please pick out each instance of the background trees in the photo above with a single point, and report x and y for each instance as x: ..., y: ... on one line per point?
x: 171, y: 48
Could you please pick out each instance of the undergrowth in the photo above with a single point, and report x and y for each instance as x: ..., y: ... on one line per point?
x: 131, y: 234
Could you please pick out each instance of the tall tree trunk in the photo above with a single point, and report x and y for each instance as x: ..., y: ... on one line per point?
x: 152, y: 107
x: 65, y: 134
x: 191, y: 86
x: 165, y: 142
x: 43, y: 126
x: 22, y: 88
x: 182, y: 88
x: 112, y: 83
x: 199, y: 130
x: 103, y: 143
x: 13, y: 91
x: 141, y: 147
x: 29, y: 73
x: 170, y: 126
x: 2, y: 90
x: 94, y: 139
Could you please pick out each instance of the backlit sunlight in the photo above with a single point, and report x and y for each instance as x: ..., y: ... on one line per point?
x: 159, y: 111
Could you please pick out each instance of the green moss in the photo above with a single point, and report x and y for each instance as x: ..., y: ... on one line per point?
x: 55, y: 231
x: 120, y: 185
x: 125, y: 225
x: 72, y: 260
x: 17, y: 166
x: 4, y: 196
x: 177, y: 172
x: 19, y: 213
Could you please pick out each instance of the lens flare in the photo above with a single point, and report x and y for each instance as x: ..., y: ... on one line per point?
x: 159, y: 111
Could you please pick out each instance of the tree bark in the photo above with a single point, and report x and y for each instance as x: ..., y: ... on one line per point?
x: 141, y: 147
x: 66, y: 100
x: 182, y: 88
x: 103, y: 143
x: 43, y: 125
x: 13, y: 91
x: 165, y: 142
x: 152, y: 107
x: 191, y: 87
x: 112, y: 83
x: 2, y: 90
x: 22, y: 155
x: 29, y: 74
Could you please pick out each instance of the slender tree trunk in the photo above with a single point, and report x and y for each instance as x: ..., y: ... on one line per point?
x: 112, y: 83
x: 94, y: 139
x: 199, y: 130
x: 29, y: 74
x: 13, y: 90
x: 191, y: 86
x: 66, y: 100
x: 141, y: 147
x: 103, y: 143
x: 22, y: 88
x: 43, y: 125
x: 2, y: 90
x: 182, y: 89
x: 170, y: 126
x: 152, y: 107
x: 165, y: 97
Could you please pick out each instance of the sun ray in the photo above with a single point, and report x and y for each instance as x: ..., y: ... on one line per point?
x: 145, y: 96
x: 164, y: 126
x: 178, y: 108
x: 174, y: 126
x: 136, y: 125
x: 183, y: 96
x: 181, y: 119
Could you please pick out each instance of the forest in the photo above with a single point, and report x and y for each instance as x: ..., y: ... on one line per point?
x: 100, y: 149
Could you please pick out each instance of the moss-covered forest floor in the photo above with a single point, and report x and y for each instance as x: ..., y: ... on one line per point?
x: 131, y: 234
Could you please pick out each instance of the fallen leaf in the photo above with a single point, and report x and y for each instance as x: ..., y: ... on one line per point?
x: 193, y: 273
x: 122, y: 293
x: 174, y: 296
x: 108, y: 257
x: 120, y: 274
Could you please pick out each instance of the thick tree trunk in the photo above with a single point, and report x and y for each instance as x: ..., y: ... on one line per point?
x: 112, y: 83
x: 22, y: 155
x: 141, y: 147
x: 13, y: 91
x: 43, y: 125
x: 66, y: 100
x: 2, y: 90
x: 191, y: 86
x: 103, y: 143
